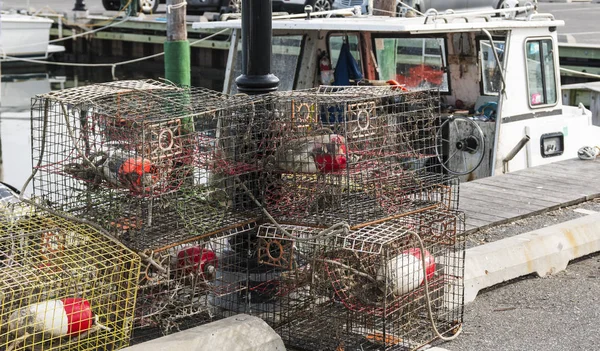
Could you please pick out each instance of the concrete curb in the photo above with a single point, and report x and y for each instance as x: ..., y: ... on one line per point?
x: 542, y: 251
x: 238, y: 333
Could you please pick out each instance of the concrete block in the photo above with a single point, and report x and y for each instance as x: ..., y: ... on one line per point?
x: 238, y: 333
x: 543, y: 251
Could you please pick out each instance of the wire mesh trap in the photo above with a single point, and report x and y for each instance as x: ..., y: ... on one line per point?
x: 143, y: 157
x: 356, y: 154
x: 192, y: 283
x: 365, y: 289
x: 65, y: 286
x: 160, y: 168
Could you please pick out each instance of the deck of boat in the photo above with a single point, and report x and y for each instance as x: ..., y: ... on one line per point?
x: 508, y: 197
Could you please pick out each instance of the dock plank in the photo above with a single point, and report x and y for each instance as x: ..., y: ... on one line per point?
x: 524, y: 182
x: 567, y: 188
x: 539, y: 191
x: 508, y: 197
x: 505, y: 194
x: 497, y: 202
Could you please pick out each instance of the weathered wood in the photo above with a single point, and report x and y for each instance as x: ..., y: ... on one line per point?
x: 497, y: 202
x: 531, y: 185
x: 506, y: 198
x: 504, y: 193
x: 176, y: 21
x: 552, y: 184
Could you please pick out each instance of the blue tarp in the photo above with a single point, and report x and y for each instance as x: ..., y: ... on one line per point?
x: 346, y: 67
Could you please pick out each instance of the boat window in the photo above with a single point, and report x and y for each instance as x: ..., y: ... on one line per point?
x: 541, y: 77
x: 491, y: 74
x: 418, y: 63
x: 335, y: 45
x: 284, y: 61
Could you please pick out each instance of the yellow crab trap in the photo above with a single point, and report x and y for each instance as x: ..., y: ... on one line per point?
x: 354, y: 154
x: 366, y: 289
x: 64, y: 285
x: 152, y: 163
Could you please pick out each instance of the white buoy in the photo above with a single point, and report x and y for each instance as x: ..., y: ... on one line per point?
x: 405, y: 271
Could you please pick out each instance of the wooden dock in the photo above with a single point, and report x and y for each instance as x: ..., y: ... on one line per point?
x: 508, y: 197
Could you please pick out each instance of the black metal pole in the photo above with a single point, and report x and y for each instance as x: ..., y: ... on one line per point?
x: 79, y: 6
x: 256, y: 75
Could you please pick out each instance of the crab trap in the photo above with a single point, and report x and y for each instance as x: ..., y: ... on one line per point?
x: 354, y: 154
x: 370, y: 288
x: 152, y: 163
x: 187, y: 284
x: 65, y: 286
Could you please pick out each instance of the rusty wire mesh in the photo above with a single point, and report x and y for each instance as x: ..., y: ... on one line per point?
x: 364, y: 288
x: 354, y: 154
x: 198, y: 183
x: 64, y: 285
x: 160, y: 168
x: 152, y: 163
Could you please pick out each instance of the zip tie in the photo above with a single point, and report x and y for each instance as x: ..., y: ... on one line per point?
x: 175, y: 7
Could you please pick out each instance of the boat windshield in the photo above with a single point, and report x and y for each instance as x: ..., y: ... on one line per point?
x: 284, y: 61
x: 490, y: 70
x: 418, y: 63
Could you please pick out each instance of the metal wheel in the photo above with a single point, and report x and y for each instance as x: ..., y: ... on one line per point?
x: 322, y: 5
x: 508, y: 4
x: 148, y: 6
x: 111, y: 5
x: 464, y: 145
x: 235, y: 6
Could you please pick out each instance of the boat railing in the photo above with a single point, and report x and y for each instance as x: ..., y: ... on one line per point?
x: 451, y: 15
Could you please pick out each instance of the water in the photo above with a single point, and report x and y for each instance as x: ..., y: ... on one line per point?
x: 18, y: 85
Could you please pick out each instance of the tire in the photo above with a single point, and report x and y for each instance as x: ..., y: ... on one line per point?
x: 321, y: 5
x: 503, y: 4
x: 111, y: 5
x: 148, y: 6
x: 233, y: 6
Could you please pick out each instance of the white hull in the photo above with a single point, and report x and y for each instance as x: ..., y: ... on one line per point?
x: 22, y: 35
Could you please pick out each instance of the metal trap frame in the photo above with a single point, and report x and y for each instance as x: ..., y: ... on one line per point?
x: 159, y: 167
x: 365, y: 288
x: 354, y: 154
x: 65, y: 285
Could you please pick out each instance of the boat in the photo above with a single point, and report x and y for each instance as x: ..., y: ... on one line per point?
x: 497, y: 72
x: 25, y: 36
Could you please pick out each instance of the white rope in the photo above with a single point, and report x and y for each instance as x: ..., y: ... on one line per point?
x: 72, y: 36
x: 112, y: 65
x: 175, y: 7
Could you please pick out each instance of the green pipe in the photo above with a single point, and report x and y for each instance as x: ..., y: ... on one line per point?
x: 177, y: 62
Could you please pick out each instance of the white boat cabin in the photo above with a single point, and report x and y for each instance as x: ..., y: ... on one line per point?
x: 467, y: 56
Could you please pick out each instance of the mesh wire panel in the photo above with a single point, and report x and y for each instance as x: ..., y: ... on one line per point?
x: 64, y: 285
x: 364, y: 289
x: 144, y: 157
x: 354, y: 154
x: 186, y: 284
x: 187, y: 177
x: 160, y: 168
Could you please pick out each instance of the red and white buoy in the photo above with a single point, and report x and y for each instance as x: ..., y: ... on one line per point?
x: 197, y: 260
x: 405, y: 271
x: 129, y: 171
x: 65, y: 317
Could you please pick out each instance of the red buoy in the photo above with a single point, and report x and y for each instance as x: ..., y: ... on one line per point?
x: 194, y: 259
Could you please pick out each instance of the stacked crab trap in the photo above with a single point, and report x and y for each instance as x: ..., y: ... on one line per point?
x: 159, y: 167
x: 326, y: 212
x: 64, y: 285
x: 363, y: 235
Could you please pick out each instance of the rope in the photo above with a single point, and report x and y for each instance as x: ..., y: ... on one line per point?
x: 176, y: 7
x: 112, y: 65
